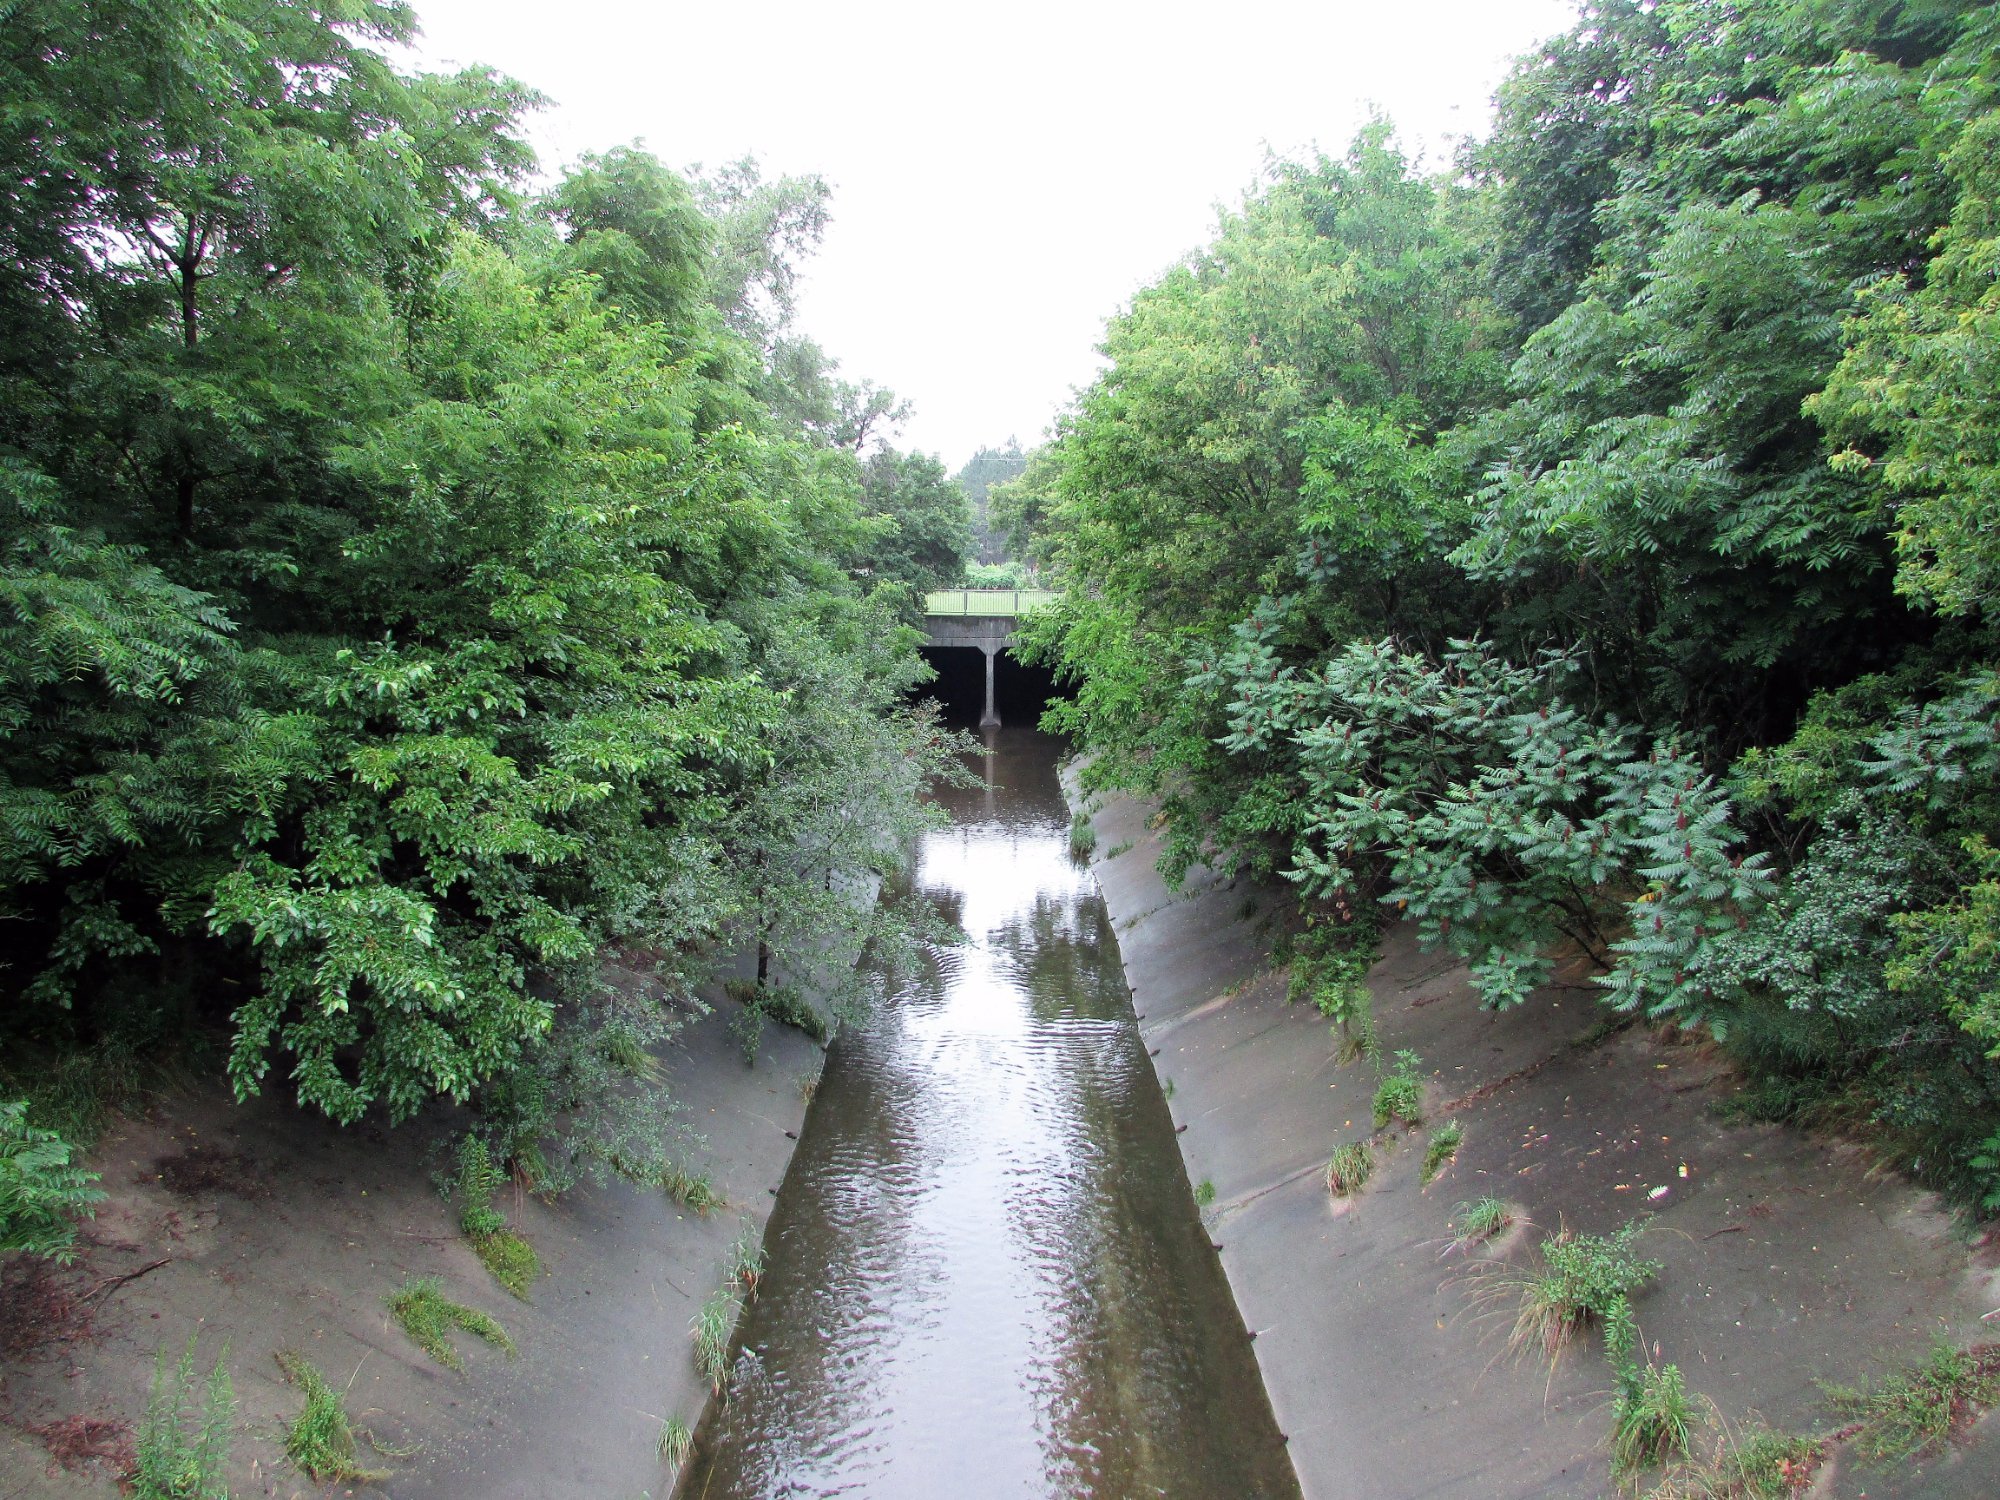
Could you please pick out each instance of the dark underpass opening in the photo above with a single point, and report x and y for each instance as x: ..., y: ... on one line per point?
x: 1020, y: 691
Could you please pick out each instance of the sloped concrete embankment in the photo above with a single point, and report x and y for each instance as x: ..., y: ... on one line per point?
x: 278, y: 1231
x: 1786, y: 1260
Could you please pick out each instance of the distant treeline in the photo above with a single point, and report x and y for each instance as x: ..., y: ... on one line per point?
x: 1590, y: 552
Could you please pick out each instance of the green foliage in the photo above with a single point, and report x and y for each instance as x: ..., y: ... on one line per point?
x: 1082, y: 836
x: 429, y: 1318
x: 408, y: 591
x: 1918, y: 1408
x: 712, y: 1328
x: 1758, y: 1465
x: 692, y: 1190
x: 1652, y: 1419
x: 1204, y: 1194
x: 1442, y: 544
x: 184, y: 1437
x: 925, y: 522
x: 1583, y: 1279
x: 1399, y: 1096
x: 1440, y: 1149
x: 41, y: 1193
x: 1480, y: 1220
x: 744, y: 1265
x: 511, y: 1259
x: 478, y: 1179
x: 320, y: 1439
x: 1349, y: 1168
x: 676, y: 1443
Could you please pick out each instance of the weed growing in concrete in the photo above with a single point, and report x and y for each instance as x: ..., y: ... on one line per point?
x: 1204, y: 1193
x: 1117, y: 849
x: 1652, y: 1420
x: 320, y: 1440
x: 429, y: 1317
x: 1350, y: 1168
x: 511, y: 1259
x: 809, y: 1084
x: 1167, y: 1088
x: 1443, y: 1146
x: 1400, y: 1094
x: 746, y: 1026
x: 183, y: 1445
x: 676, y: 1443
x: 1764, y: 1465
x: 712, y: 1327
x: 1083, y: 837
x: 1480, y: 1220
x: 691, y: 1190
x: 478, y: 1178
x: 1584, y: 1278
x: 744, y: 1264
x: 1919, y: 1408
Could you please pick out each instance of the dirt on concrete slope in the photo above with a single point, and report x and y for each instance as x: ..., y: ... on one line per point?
x: 1787, y: 1261
x: 260, y: 1228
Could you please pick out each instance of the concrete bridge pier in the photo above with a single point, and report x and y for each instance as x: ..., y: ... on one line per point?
x: 991, y: 718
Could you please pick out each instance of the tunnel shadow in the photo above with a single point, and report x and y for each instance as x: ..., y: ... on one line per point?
x: 1020, y: 691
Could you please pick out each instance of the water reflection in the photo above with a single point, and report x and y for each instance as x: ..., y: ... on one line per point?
x: 987, y: 1274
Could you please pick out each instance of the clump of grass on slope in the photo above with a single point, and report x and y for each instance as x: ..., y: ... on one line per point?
x: 429, y: 1317
x: 320, y: 1439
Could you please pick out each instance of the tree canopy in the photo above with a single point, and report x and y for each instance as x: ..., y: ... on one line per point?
x: 411, y: 586
x: 1589, y: 552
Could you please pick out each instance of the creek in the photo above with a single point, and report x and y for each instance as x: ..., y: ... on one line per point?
x: 987, y: 1272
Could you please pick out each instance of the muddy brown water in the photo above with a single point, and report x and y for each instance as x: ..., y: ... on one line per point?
x: 987, y: 1273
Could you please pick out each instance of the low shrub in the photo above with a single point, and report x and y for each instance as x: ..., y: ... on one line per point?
x: 183, y: 1445
x: 1400, y: 1094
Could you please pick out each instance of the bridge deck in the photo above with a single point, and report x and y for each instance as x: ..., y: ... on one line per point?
x: 959, y: 602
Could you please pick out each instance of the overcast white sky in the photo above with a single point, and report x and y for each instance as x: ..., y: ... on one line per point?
x: 1005, y: 177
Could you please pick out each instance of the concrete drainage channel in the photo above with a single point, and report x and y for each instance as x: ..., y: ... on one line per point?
x: 1784, y: 1260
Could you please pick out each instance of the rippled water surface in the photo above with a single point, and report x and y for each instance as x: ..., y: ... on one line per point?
x: 987, y: 1274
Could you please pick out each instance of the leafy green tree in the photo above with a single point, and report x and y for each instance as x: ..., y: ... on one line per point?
x: 928, y: 532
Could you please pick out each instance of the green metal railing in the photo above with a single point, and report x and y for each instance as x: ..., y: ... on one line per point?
x: 987, y: 601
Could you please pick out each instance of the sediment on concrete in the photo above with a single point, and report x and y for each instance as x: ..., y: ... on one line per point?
x: 300, y: 1230
x: 1786, y: 1260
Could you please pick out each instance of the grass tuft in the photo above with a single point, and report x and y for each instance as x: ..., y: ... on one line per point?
x: 676, y: 1443
x: 1444, y: 1144
x: 1653, y: 1419
x: 1349, y: 1169
x: 429, y: 1317
x: 744, y: 1265
x: 320, y: 1440
x: 511, y: 1259
x: 1204, y: 1193
x: 691, y: 1190
x: 1082, y: 837
x: 712, y: 1328
x: 1480, y: 1220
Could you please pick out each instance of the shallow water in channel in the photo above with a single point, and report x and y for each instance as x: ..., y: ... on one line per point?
x: 987, y: 1274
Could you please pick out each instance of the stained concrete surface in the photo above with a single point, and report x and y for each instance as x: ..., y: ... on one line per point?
x: 283, y: 1232
x: 1786, y: 1259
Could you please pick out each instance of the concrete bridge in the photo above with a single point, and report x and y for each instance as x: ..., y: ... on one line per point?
x: 983, y: 619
